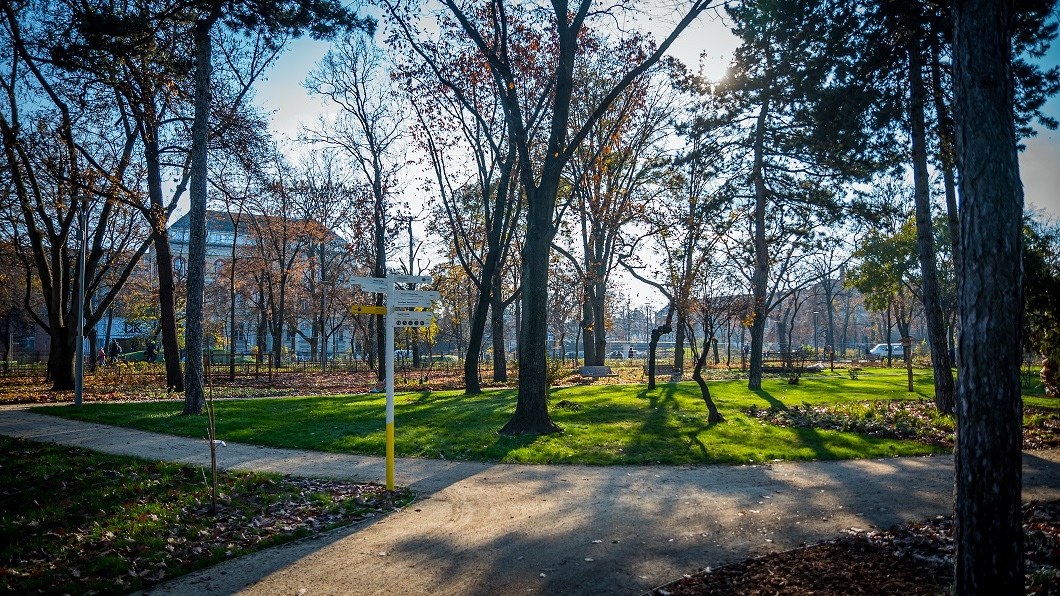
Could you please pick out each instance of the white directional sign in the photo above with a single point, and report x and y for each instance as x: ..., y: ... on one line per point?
x: 412, y: 298
x: 409, y: 318
x: 396, y: 318
x: 412, y: 279
x: 371, y: 284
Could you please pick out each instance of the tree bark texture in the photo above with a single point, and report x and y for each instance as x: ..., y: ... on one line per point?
x: 194, y: 393
x: 925, y: 237
x: 158, y: 216
x: 713, y: 415
x: 761, y: 253
x: 679, y: 343
x: 988, y: 520
x: 474, y: 344
x: 500, y: 358
x: 531, y: 410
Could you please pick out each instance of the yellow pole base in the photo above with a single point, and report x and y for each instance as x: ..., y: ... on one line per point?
x: 390, y: 456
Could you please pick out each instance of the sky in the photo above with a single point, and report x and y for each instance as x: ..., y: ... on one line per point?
x: 708, y: 45
x: 282, y: 92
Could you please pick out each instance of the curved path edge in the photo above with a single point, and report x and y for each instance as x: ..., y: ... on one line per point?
x: 482, y: 528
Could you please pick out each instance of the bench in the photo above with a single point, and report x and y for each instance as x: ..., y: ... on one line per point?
x: 664, y: 369
x: 595, y: 372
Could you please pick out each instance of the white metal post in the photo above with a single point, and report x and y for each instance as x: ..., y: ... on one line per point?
x: 389, y: 383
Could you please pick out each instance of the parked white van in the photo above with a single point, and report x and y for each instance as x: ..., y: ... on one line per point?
x: 880, y: 351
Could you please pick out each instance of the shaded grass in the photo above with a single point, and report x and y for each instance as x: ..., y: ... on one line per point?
x: 74, y: 521
x: 617, y: 424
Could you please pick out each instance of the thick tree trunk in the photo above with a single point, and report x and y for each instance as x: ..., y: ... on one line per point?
x: 531, y: 409
x: 262, y: 331
x: 500, y: 359
x: 936, y: 322
x: 474, y: 344
x: 989, y: 534
x: 167, y: 312
x: 276, y: 324
x: 158, y: 217
x: 588, y: 329
x: 599, y: 330
x: 61, y: 358
x: 679, y: 343
x: 194, y: 392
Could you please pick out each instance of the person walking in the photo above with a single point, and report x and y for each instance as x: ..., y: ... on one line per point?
x: 115, y: 351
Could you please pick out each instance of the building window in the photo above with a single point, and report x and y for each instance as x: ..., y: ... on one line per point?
x: 180, y: 265
x: 218, y: 265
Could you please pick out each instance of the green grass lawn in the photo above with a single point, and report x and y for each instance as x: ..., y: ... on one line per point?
x: 73, y: 521
x: 616, y: 424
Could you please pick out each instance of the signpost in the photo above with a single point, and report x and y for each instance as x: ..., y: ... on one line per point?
x: 396, y: 299
x: 370, y: 309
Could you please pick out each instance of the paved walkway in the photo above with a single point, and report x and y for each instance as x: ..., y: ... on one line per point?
x: 505, y: 529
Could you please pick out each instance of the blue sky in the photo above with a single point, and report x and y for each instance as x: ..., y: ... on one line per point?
x: 282, y: 92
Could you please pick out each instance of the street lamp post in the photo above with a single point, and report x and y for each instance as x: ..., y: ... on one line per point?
x: 79, y: 316
x: 815, y: 334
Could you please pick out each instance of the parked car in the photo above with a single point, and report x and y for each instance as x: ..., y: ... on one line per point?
x: 880, y: 351
x: 616, y: 354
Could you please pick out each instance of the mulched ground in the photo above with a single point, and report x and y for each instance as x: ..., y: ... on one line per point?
x: 914, y: 560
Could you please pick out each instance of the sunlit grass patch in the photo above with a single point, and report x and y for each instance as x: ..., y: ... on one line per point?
x: 603, y: 424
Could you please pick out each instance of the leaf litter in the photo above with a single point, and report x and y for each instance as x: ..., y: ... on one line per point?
x: 914, y: 559
x: 128, y: 524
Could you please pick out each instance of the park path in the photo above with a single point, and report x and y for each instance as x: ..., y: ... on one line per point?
x: 480, y: 528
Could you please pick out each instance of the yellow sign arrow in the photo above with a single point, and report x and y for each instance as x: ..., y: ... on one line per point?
x: 369, y: 310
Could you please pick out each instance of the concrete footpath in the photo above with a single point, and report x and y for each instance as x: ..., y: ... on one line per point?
x: 504, y: 529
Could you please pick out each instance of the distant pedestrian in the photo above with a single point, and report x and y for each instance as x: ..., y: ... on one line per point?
x: 631, y: 352
x: 115, y: 351
x: 149, y: 351
x: 102, y: 356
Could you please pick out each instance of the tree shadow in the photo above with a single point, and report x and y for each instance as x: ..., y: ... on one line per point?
x: 769, y: 399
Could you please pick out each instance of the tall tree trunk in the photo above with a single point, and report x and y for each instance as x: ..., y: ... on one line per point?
x: 925, y: 238
x: 166, y: 292
x: 989, y: 532
x: 945, y: 156
x: 61, y: 358
x: 479, y: 316
x: 759, y: 279
x: 599, y: 321
x: 587, y: 326
x: 679, y: 342
x: 500, y: 359
x: 159, y: 216
x: 263, y: 326
x: 531, y: 409
x: 194, y: 393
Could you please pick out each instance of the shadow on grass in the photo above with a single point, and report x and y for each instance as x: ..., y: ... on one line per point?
x: 768, y: 397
